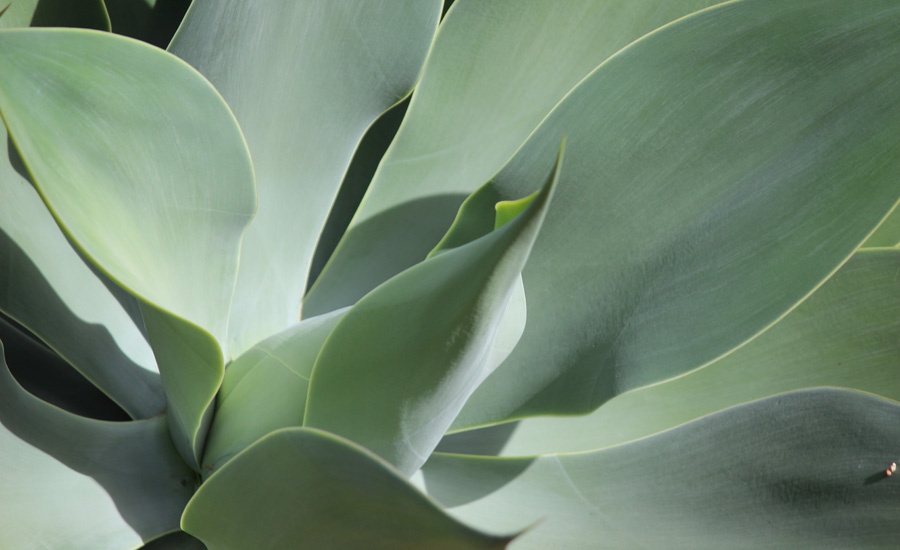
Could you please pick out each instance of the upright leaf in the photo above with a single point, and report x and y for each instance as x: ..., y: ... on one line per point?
x: 302, y: 488
x: 401, y: 363
x: 495, y: 71
x: 144, y: 168
x: 305, y: 80
x: 723, y: 167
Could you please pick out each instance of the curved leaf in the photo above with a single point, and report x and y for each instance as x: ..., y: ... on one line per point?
x: 48, y: 377
x: 711, y: 190
x: 800, y: 470
x: 846, y: 334
x: 145, y: 169
x: 887, y: 234
x: 303, y: 120
x: 496, y: 69
x: 265, y: 388
x: 299, y: 487
x: 401, y: 363
x: 46, y: 287
x: 73, y: 482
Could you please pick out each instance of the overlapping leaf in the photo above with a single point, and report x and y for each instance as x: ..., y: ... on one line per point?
x: 306, y: 488
x: 799, y: 470
x: 497, y: 68
x: 723, y: 167
x: 846, y: 334
x: 305, y: 80
x: 265, y: 388
x: 401, y: 363
x: 144, y: 168
x: 44, y: 284
x: 73, y: 482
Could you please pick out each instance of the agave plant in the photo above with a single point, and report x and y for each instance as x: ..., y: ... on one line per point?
x: 624, y: 275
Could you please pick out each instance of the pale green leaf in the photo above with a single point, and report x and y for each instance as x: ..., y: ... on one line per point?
x: 846, y: 334
x: 495, y: 71
x: 46, y: 287
x: 305, y: 80
x: 265, y: 388
x: 145, y: 169
x: 723, y: 167
x: 887, y: 234
x: 76, y: 483
x: 401, y: 363
x: 303, y: 488
x: 803, y: 470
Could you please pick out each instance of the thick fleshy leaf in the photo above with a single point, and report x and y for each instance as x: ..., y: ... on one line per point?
x: 76, y: 483
x: 265, y: 388
x: 846, y: 334
x: 800, y: 470
x: 46, y: 287
x: 496, y: 69
x: 303, y: 118
x: 887, y: 234
x: 303, y: 488
x: 143, y: 166
x: 401, y: 363
x: 711, y: 190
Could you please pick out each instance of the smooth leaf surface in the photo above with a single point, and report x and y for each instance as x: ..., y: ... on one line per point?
x: 144, y: 167
x: 45, y: 286
x: 846, y: 334
x: 399, y: 366
x: 723, y: 167
x: 305, y: 80
x: 495, y: 71
x: 265, y: 388
x: 887, y: 234
x: 76, y: 483
x: 804, y: 470
x: 307, y: 488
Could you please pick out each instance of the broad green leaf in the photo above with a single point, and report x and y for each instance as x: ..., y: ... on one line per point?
x: 305, y: 80
x: 265, y: 388
x: 804, y: 470
x: 144, y: 168
x: 887, y: 234
x: 45, y: 286
x: 399, y: 366
x: 723, y: 167
x: 846, y: 334
x: 76, y: 483
x: 495, y: 71
x: 303, y: 488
